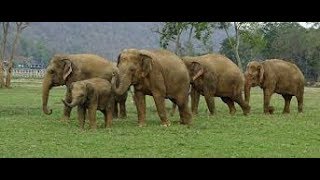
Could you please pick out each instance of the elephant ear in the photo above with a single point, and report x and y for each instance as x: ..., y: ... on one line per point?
x: 71, y: 85
x: 145, y: 62
x: 118, y: 59
x: 197, y: 69
x: 67, y: 68
x: 90, y: 90
x: 261, y: 73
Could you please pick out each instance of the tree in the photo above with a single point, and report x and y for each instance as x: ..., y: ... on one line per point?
x: 5, y: 28
x: 20, y: 26
x: 173, y: 31
x: 252, y: 44
x: 234, y: 44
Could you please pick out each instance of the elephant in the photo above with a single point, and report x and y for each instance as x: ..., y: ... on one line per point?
x: 120, y: 109
x: 214, y: 75
x: 92, y: 95
x: 64, y: 69
x: 275, y: 76
x: 158, y: 73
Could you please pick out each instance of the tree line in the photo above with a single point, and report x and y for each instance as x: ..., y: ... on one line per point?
x: 250, y: 41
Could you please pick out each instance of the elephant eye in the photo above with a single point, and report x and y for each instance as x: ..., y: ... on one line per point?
x: 132, y: 69
x: 51, y: 71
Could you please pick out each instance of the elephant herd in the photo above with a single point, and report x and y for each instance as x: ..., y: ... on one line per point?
x: 94, y: 83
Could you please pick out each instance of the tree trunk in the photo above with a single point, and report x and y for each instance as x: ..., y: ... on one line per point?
x: 236, y: 48
x: 5, y: 26
x: 1, y: 75
x: 9, y: 75
x: 10, y: 62
x: 178, y: 49
x: 190, y: 48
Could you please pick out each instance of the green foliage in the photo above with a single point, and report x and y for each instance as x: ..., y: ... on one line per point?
x: 251, y: 46
x: 26, y: 132
x: 171, y: 32
x: 35, y: 49
x: 289, y: 41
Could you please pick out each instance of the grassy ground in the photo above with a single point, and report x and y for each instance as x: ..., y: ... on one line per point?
x: 26, y: 132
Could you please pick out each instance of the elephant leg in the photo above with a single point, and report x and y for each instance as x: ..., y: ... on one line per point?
x: 160, y: 104
x: 115, y: 109
x: 108, y: 118
x: 81, y: 116
x: 140, y: 101
x: 92, y: 116
x: 173, y: 110
x: 67, y: 110
x: 123, y: 109
x: 195, y: 97
x: 300, y: 103
x: 287, y: 98
x: 230, y: 103
x: 184, y: 110
x: 243, y: 104
x: 266, y: 102
x: 210, y: 102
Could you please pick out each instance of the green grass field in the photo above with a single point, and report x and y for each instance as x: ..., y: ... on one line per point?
x: 26, y: 132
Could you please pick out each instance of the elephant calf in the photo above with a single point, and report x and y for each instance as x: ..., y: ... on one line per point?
x: 275, y: 76
x: 92, y: 94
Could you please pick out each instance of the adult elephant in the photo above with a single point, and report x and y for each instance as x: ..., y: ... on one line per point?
x: 214, y: 75
x: 158, y: 73
x: 275, y: 76
x: 65, y: 69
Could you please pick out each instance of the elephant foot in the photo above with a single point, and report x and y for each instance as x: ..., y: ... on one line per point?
x: 271, y: 109
x: 232, y: 112
x: 107, y: 126
x: 195, y: 113
x: 286, y: 112
x: 165, y: 124
x: 65, y: 120
x: 142, y: 125
x: 247, y: 111
x: 123, y: 116
x: 185, y: 122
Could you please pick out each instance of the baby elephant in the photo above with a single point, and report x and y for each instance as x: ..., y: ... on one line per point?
x: 92, y: 94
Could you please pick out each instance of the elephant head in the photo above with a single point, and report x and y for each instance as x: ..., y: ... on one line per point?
x: 57, y: 73
x: 80, y: 93
x: 198, y: 73
x: 253, y: 77
x: 133, y: 65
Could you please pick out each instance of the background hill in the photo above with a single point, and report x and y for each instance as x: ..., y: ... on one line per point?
x: 103, y: 38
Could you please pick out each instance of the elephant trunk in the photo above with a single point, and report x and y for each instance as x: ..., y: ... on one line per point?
x: 123, y: 82
x: 46, y: 86
x: 71, y: 105
x: 247, y: 89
